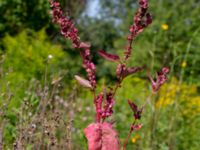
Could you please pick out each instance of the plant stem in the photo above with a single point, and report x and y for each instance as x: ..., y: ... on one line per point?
x: 128, y: 137
x: 1, y: 138
x: 118, y: 83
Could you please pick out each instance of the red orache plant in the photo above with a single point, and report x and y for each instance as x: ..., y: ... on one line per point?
x: 100, y: 134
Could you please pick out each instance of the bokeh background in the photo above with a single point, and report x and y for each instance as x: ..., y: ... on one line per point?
x: 42, y: 106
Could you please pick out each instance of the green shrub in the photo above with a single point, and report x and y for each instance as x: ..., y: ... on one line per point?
x: 27, y: 56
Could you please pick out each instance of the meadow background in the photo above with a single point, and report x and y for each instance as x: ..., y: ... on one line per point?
x: 43, y: 107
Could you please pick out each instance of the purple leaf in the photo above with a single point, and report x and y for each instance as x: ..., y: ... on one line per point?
x: 108, y: 56
x: 137, y: 112
x: 133, y: 106
x: 123, y: 72
x: 83, y: 82
x: 101, y: 136
x: 132, y: 70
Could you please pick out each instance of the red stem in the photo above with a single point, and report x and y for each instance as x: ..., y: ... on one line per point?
x: 128, y: 137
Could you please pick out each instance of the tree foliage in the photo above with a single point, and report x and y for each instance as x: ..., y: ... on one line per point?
x: 20, y: 14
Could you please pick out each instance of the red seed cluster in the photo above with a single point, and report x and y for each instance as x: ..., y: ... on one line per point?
x: 89, y: 67
x: 120, y: 69
x: 141, y: 20
x: 98, y: 103
x: 67, y: 27
x: 69, y: 31
x: 108, y: 111
x: 160, y: 79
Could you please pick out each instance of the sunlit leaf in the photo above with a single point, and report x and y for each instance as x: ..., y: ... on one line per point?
x: 83, y: 82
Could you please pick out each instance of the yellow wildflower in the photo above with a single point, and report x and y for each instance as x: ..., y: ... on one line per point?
x: 184, y: 64
x: 185, y: 95
x: 135, y: 138
x: 165, y: 27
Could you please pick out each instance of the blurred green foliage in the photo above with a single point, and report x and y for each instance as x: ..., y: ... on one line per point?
x: 20, y: 14
x: 27, y: 56
x: 35, y: 15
